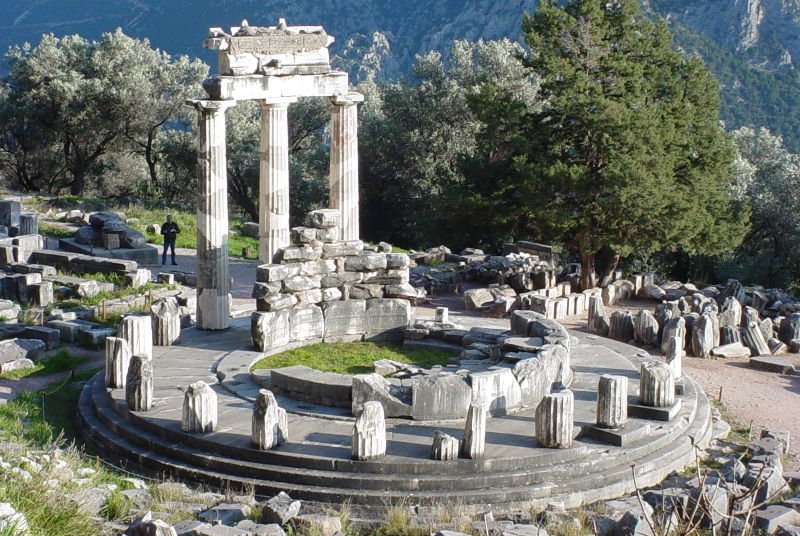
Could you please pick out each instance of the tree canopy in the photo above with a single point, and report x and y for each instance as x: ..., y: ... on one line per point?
x: 627, y: 153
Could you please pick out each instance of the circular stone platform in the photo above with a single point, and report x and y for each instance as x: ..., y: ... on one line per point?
x: 315, y: 464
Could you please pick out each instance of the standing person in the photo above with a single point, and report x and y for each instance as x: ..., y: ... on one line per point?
x: 170, y: 231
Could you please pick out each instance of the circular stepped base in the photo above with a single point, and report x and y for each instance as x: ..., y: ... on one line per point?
x: 314, y: 465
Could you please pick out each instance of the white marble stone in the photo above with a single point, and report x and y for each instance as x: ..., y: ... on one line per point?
x: 139, y: 384
x: 213, y: 282
x: 612, y: 401
x: 118, y: 358
x: 473, y: 446
x: 344, y: 162
x: 369, y: 433
x: 137, y: 329
x: 674, y: 356
x: 554, y: 420
x: 166, y: 319
x: 444, y: 447
x: 270, y: 424
x: 199, y: 409
x: 656, y: 385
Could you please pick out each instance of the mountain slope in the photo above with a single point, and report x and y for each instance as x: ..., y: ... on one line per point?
x: 751, y: 45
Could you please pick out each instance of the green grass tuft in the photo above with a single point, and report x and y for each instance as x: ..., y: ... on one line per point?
x: 351, y: 357
x: 59, y: 362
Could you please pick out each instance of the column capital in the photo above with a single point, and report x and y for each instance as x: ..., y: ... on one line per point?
x: 347, y: 99
x: 277, y: 102
x: 206, y: 105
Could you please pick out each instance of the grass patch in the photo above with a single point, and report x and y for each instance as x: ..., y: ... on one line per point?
x: 351, y: 357
x: 187, y: 223
x: 56, y: 231
x: 59, y: 362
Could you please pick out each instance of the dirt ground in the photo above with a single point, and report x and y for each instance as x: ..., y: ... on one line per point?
x: 750, y: 398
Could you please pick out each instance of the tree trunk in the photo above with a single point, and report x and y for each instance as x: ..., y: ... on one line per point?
x: 608, y: 274
x: 587, y: 270
x: 78, y: 184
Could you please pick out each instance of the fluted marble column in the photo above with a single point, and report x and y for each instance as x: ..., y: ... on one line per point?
x: 273, y: 178
x: 656, y: 385
x: 213, y: 285
x: 612, y: 401
x: 344, y: 162
x: 554, y: 420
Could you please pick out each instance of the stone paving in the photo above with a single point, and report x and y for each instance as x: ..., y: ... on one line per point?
x: 320, y: 438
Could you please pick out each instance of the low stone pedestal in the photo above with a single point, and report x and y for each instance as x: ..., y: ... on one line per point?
x: 270, y: 426
x: 474, y: 443
x: 369, y: 433
x: 139, y: 384
x: 199, y: 409
x: 444, y: 447
x: 619, y: 437
x: 118, y: 358
x: 137, y: 329
x: 554, y: 420
x: 656, y: 393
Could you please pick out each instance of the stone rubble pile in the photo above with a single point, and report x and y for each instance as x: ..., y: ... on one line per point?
x: 728, y: 321
x: 330, y: 290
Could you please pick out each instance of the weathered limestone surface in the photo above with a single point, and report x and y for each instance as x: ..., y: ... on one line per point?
x: 375, y: 388
x: 620, y: 327
x: 273, y: 184
x: 345, y: 319
x: 497, y: 388
x: 118, y: 358
x: 598, y: 320
x: 213, y: 282
x: 612, y: 401
x: 270, y: 426
x: 306, y: 323
x: 731, y: 314
x: 753, y: 338
x: 369, y: 433
x: 165, y: 315
x: 656, y: 385
x: 387, y: 319
x: 645, y: 328
x: 344, y: 162
x: 535, y: 376
x: 137, y: 329
x: 730, y: 334
x: 703, y: 337
x: 444, y: 447
x: 554, y: 420
x: 270, y: 330
x: 440, y: 397
x: 473, y: 445
x: 674, y: 356
x: 139, y: 384
x: 199, y: 408
x: 789, y: 328
x: 675, y: 327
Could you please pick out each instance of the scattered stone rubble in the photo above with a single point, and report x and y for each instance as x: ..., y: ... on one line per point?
x: 719, y: 321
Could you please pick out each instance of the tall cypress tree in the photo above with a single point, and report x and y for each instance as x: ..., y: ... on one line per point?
x: 627, y: 154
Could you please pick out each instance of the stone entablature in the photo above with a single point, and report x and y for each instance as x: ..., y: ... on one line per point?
x: 271, y: 50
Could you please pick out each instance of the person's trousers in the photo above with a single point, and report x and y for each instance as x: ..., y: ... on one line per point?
x: 168, y: 244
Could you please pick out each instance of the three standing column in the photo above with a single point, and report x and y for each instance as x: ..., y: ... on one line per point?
x: 213, y: 283
x: 344, y: 162
x: 273, y: 178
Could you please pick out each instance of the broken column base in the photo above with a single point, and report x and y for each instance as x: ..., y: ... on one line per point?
x: 619, y: 437
x: 665, y: 414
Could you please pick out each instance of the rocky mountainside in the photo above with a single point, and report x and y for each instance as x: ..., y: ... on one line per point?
x: 752, y: 45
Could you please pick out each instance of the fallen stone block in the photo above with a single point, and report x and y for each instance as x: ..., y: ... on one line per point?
x: 772, y: 364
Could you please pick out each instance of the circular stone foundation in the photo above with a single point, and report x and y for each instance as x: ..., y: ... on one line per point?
x: 315, y: 464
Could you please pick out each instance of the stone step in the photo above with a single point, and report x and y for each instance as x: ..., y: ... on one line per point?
x: 157, y: 461
x: 572, y: 461
x: 597, y: 485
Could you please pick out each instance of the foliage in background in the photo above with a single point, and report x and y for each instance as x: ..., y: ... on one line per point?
x: 72, y: 110
x: 627, y: 154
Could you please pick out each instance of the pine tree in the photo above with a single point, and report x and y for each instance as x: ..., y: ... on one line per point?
x: 628, y: 153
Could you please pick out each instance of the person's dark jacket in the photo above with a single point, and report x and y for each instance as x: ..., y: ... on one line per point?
x: 170, y: 230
